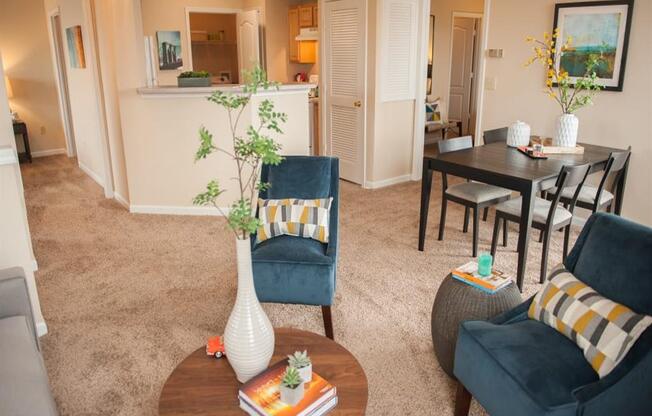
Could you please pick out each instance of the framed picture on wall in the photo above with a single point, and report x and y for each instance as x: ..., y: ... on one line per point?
x: 75, y: 47
x: 597, y: 29
x: 169, y: 49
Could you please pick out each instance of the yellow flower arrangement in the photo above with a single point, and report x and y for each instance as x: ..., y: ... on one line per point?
x: 558, y: 81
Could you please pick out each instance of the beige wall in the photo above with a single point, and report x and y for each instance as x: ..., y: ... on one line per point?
x: 84, y: 103
x: 110, y: 55
x: 390, y: 125
x: 171, y: 15
x: 25, y: 47
x: 617, y: 119
x: 160, y: 134
x: 443, y: 12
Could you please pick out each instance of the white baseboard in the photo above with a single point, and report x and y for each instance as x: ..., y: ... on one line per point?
x: 121, y: 200
x: 171, y: 210
x: 92, y: 174
x: 387, y: 182
x: 41, y: 328
x: 49, y: 152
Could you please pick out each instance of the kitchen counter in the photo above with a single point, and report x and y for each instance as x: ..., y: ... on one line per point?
x: 168, y: 91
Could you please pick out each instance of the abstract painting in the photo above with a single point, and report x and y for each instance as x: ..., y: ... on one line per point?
x: 169, y: 49
x: 75, y: 47
x: 597, y: 30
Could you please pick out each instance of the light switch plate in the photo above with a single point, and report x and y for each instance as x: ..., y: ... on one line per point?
x: 491, y: 83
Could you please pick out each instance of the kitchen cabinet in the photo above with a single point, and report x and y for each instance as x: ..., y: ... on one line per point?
x: 293, y: 26
x: 315, y: 15
x: 302, y: 16
x: 305, y: 15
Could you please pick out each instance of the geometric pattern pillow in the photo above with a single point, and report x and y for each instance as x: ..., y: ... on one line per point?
x: 603, y: 329
x: 298, y: 217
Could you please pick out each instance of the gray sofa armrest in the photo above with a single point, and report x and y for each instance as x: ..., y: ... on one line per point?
x: 14, y: 297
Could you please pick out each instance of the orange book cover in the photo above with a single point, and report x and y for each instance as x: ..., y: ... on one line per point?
x: 263, y: 392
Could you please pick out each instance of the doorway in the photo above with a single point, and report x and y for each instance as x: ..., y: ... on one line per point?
x: 223, y: 42
x: 464, y: 67
x: 344, y: 79
x: 62, y: 82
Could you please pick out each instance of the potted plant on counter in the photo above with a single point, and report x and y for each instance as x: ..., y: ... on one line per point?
x: 194, y: 79
x: 292, y: 387
x: 248, y: 336
x: 302, y: 363
x: 571, y: 94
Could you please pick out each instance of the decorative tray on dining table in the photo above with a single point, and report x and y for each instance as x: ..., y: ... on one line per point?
x: 549, y: 149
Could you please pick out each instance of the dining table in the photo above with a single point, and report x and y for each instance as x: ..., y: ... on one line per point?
x: 507, y: 167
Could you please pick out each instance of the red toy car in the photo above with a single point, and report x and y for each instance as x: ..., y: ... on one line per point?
x: 215, y: 347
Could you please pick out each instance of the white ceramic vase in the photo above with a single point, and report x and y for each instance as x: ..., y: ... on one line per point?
x: 518, y: 134
x: 249, y: 335
x: 566, y: 131
x: 306, y: 373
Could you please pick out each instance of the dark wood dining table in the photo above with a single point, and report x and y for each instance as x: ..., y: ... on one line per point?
x: 500, y: 165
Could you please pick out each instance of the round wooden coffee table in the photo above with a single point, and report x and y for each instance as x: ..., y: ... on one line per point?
x: 203, y: 385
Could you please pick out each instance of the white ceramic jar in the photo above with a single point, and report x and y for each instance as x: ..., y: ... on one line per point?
x: 518, y: 134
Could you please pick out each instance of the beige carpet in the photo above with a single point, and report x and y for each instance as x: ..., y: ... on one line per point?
x: 126, y: 297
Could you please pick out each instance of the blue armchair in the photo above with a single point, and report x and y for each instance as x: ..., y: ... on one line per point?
x: 516, y: 366
x: 299, y: 270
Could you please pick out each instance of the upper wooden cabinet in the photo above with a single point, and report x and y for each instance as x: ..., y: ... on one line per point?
x: 315, y: 15
x: 305, y: 15
x: 302, y: 16
x: 293, y: 26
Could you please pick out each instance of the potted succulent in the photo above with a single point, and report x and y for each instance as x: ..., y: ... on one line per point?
x: 194, y: 79
x: 302, y: 363
x: 248, y: 336
x: 570, y: 93
x: 292, y: 387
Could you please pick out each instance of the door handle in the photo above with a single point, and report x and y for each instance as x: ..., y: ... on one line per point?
x: 357, y: 104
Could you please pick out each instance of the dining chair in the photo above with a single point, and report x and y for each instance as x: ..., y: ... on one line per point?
x: 474, y: 196
x: 495, y: 135
x: 547, y: 216
x: 299, y: 270
x: 600, y: 197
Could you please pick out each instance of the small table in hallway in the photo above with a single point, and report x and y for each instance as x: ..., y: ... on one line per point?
x: 201, y: 385
x: 497, y: 164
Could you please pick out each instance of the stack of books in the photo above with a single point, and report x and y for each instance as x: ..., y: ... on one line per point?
x: 468, y: 274
x: 261, y: 395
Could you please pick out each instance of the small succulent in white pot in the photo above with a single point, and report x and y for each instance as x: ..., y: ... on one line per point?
x: 302, y: 363
x: 292, y: 387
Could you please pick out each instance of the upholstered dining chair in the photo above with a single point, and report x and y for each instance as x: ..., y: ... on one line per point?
x: 298, y: 270
x: 600, y: 197
x: 515, y: 366
x: 495, y: 135
x: 547, y: 216
x: 473, y: 196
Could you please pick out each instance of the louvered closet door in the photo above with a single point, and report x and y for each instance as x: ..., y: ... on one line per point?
x: 344, y: 47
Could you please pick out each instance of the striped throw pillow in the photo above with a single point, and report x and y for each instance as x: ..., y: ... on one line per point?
x: 299, y: 217
x: 603, y: 329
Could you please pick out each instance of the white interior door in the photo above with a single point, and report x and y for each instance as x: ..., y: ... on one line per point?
x: 344, y: 49
x: 248, y: 40
x: 459, y: 100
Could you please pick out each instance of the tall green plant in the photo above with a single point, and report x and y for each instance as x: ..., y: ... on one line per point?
x: 250, y: 151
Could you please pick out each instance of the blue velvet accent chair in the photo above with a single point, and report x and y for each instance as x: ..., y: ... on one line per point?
x: 298, y: 270
x: 516, y: 366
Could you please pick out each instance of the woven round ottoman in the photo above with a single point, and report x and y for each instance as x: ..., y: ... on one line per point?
x: 457, y: 302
